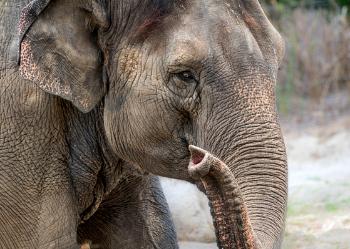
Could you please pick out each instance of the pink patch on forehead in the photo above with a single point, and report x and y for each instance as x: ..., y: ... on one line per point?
x: 149, y: 23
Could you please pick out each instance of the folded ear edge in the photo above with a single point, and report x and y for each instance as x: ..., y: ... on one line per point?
x: 28, y: 16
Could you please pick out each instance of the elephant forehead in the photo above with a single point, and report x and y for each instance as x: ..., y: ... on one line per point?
x: 185, y: 49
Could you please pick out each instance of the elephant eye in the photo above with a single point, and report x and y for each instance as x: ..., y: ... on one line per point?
x: 186, y: 76
x: 183, y: 83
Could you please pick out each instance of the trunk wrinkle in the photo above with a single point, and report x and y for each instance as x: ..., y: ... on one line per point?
x: 217, y: 206
x: 231, y: 219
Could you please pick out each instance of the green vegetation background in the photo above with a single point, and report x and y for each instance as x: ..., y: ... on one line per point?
x: 315, y: 74
x: 328, y: 4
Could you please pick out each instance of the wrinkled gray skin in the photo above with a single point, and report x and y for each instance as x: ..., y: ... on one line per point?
x: 96, y: 94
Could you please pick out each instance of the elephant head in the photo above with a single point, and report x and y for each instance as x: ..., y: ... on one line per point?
x: 167, y: 75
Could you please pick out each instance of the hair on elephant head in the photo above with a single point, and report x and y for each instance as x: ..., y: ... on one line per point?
x: 168, y: 74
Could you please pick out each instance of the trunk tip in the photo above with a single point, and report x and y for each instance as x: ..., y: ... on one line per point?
x: 198, y: 166
x: 197, y: 154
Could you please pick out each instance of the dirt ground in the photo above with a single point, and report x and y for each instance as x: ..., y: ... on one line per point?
x: 319, y: 188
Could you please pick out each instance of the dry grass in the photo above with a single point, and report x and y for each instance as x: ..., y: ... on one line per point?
x: 315, y: 75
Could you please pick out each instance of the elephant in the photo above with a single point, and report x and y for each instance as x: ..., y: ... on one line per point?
x: 98, y: 98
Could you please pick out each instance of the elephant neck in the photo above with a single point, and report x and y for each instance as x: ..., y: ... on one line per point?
x: 95, y: 170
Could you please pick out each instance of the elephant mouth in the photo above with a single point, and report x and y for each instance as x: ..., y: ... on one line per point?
x: 230, y: 216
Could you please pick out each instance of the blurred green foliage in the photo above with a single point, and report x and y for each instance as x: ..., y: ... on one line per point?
x: 314, y: 74
x: 326, y: 4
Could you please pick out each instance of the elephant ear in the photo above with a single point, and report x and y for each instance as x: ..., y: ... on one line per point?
x: 270, y: 41
x: 58, y: 49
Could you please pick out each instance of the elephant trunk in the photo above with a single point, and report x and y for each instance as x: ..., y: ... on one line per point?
x: 231, y: 221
